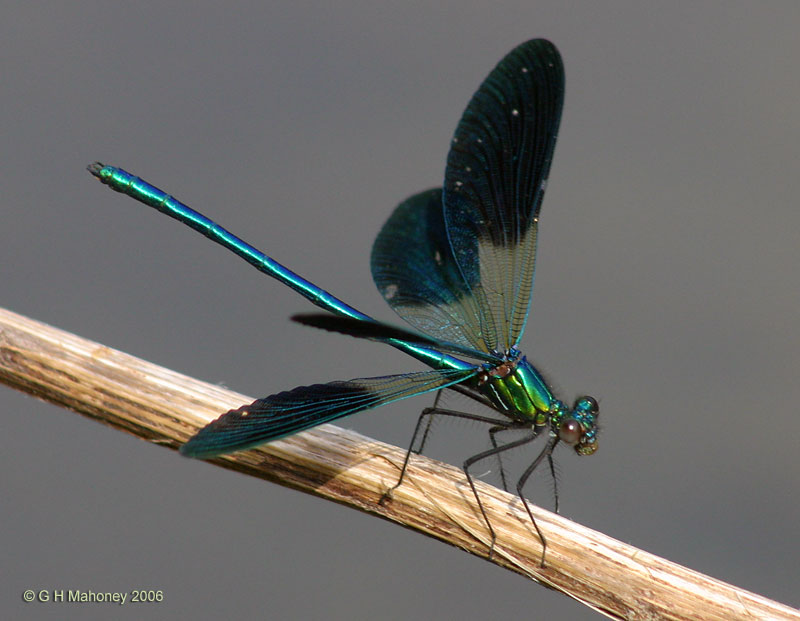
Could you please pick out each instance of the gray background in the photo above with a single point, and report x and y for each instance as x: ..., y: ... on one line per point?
x: 666, y: 285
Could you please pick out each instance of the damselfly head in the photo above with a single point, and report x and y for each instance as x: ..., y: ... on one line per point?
x: 579, y: 427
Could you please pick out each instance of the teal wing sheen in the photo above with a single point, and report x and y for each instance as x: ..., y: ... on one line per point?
x: 458, y: 263
x: 495, y: 179
x: 288, y: 412
x: 415, y: 271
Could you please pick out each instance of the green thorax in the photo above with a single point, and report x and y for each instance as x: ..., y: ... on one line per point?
x: 518, y: 389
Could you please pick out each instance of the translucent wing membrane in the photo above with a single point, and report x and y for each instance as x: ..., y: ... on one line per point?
x: 494, y: 182
x: 458, y: 264
x: 288, y: 412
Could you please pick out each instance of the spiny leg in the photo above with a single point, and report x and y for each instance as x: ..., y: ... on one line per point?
x: 555, y: 478
x: 430, y: 413
x: 483, y: 455
x: 547, y: 451
x: 427, y: 412
x: 492, y: 433
x: 424, y: 439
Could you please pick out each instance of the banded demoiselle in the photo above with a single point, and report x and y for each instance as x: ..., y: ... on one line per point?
x: 456, y: 263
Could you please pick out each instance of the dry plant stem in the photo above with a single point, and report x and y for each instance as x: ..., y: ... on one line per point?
x: 165, y: 407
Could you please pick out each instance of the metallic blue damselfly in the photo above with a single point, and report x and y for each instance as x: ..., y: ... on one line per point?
x: 456, y: 263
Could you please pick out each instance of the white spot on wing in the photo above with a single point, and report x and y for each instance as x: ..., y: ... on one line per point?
x: 390, y: 292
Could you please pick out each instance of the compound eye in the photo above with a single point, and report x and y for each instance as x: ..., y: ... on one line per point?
x: 570, y: 431
x: 587, y: 404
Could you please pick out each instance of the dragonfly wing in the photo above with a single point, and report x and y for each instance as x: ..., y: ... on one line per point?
x: 384, y: 333
x: 304, y: 407
x: 495, y: 178
x: 415, y: 271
